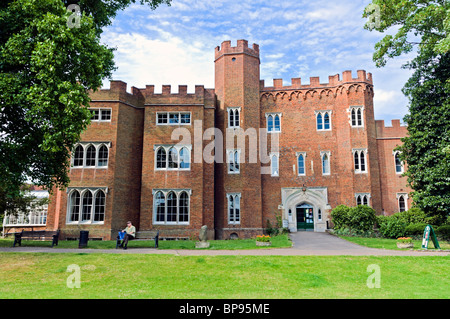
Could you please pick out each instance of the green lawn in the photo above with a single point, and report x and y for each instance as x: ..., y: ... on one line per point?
x: 386, y: 243
x: 33, y: 275
x: 280, y: 241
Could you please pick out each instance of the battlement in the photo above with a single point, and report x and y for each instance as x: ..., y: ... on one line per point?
x: 242, y: 47
x: 396, y: 130
x: 201, y: 96
x: 314, y: 82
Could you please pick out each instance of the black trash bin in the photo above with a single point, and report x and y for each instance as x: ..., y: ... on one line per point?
x: 84, y: 237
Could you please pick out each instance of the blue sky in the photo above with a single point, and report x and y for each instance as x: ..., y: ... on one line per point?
x: 175, y: 45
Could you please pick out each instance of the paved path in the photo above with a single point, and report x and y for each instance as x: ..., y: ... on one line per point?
x: 305, y: 243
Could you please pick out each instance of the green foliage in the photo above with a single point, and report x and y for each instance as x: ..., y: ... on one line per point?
x: 357, y: 220
x: 425, y: 24
x: 428, y: 134
x: 415, y: 229
x: 46, y: 72
x: 443, y: 231
x: 340, y: 217
x: 393, y: 228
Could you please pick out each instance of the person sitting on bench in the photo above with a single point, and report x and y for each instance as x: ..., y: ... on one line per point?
x: 130, y: 233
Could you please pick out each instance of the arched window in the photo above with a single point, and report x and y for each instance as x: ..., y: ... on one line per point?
x: 78, y: 156
x: 354, y: 123
x: 359, y: 158
x: 270, y: 127
x: 90, y: 156
x: 74, y: 206
x: 160, y: 205
x: 326, y: 120
x: 171, y: 207
x: 236, y: 118
x: 319, y: 122
x: 356, y: 161
x: 358, y: 200
x: 233, y: 117
x: 325, y: 164
x: 86, y: 206
x: 301, y: 165
x: 274, y: 165
x: 184, y: 158
x: 173, y: 158
x: 99, y: 207
x: 363, y: 161
x: 103, y: 156
x: 161, y: 158
x: 183, y: 207
x: 398, y: 163
x: 233, y: 162
x: 359, y: 116
x: 234, y: 207
x: 401, y: 203
x: 365, y: 200
x: 277, y: 123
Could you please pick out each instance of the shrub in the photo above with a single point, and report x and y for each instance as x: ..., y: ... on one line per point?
x: 340, y: 217
x: 393, y: 228
x: 415, y: 229
x: 412, y: 216
x: 443, y: 231
x: 361, y: 219
x: 357, y: 220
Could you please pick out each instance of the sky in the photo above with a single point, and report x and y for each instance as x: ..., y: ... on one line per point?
x: 297, y: 38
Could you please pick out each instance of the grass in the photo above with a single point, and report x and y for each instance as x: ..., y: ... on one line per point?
x: 281, y: 241
x: 34, y: 275
x: 386, y: 243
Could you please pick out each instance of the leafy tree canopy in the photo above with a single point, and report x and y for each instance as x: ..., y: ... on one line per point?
x: 46, y: 71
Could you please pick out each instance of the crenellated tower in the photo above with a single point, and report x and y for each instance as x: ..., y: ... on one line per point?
x: 238, y: 189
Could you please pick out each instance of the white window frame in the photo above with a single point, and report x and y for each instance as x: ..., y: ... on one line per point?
x: 168, y: 118
x: 232, y: 164
x: 178, y: 148
x: 233, y: 110
x: 82, y: 191
x: 297, y: 155
x: 405, y: 198
x: 273, y: 115
x: 355, y: 109
x: 85, y: 146
x: 235, y: 221
x: 328, y: 154
x: 362, y: 196
x: 322, y: 113
x: 177, y: 192
x: 396, y: 154
x: 100, y: 112
x: 277, y: 156
x: 361, y: 153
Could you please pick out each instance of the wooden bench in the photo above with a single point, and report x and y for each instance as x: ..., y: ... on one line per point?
x: 156, y: 239
x: 36, y: 235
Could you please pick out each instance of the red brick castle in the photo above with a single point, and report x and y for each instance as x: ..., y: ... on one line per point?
x: 232, y: 158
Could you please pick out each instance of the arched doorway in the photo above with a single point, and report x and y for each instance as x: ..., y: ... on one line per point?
x: 305, y: 208
x: 305, y: 217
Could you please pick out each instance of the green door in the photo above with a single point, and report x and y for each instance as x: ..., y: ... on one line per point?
x: 305, y: 217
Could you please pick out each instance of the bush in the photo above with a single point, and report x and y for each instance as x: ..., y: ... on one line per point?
x: 393, y: 228
x: 412, y: 216
x: 357, y: 220
x: 443, y: 232
x: 415, y: 229
x: 361, y: 219
x: 340, y: 217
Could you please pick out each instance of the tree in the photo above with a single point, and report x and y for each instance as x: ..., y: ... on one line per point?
x: 46, y: 71
x: 424, y: 25
x: 418, y: 23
